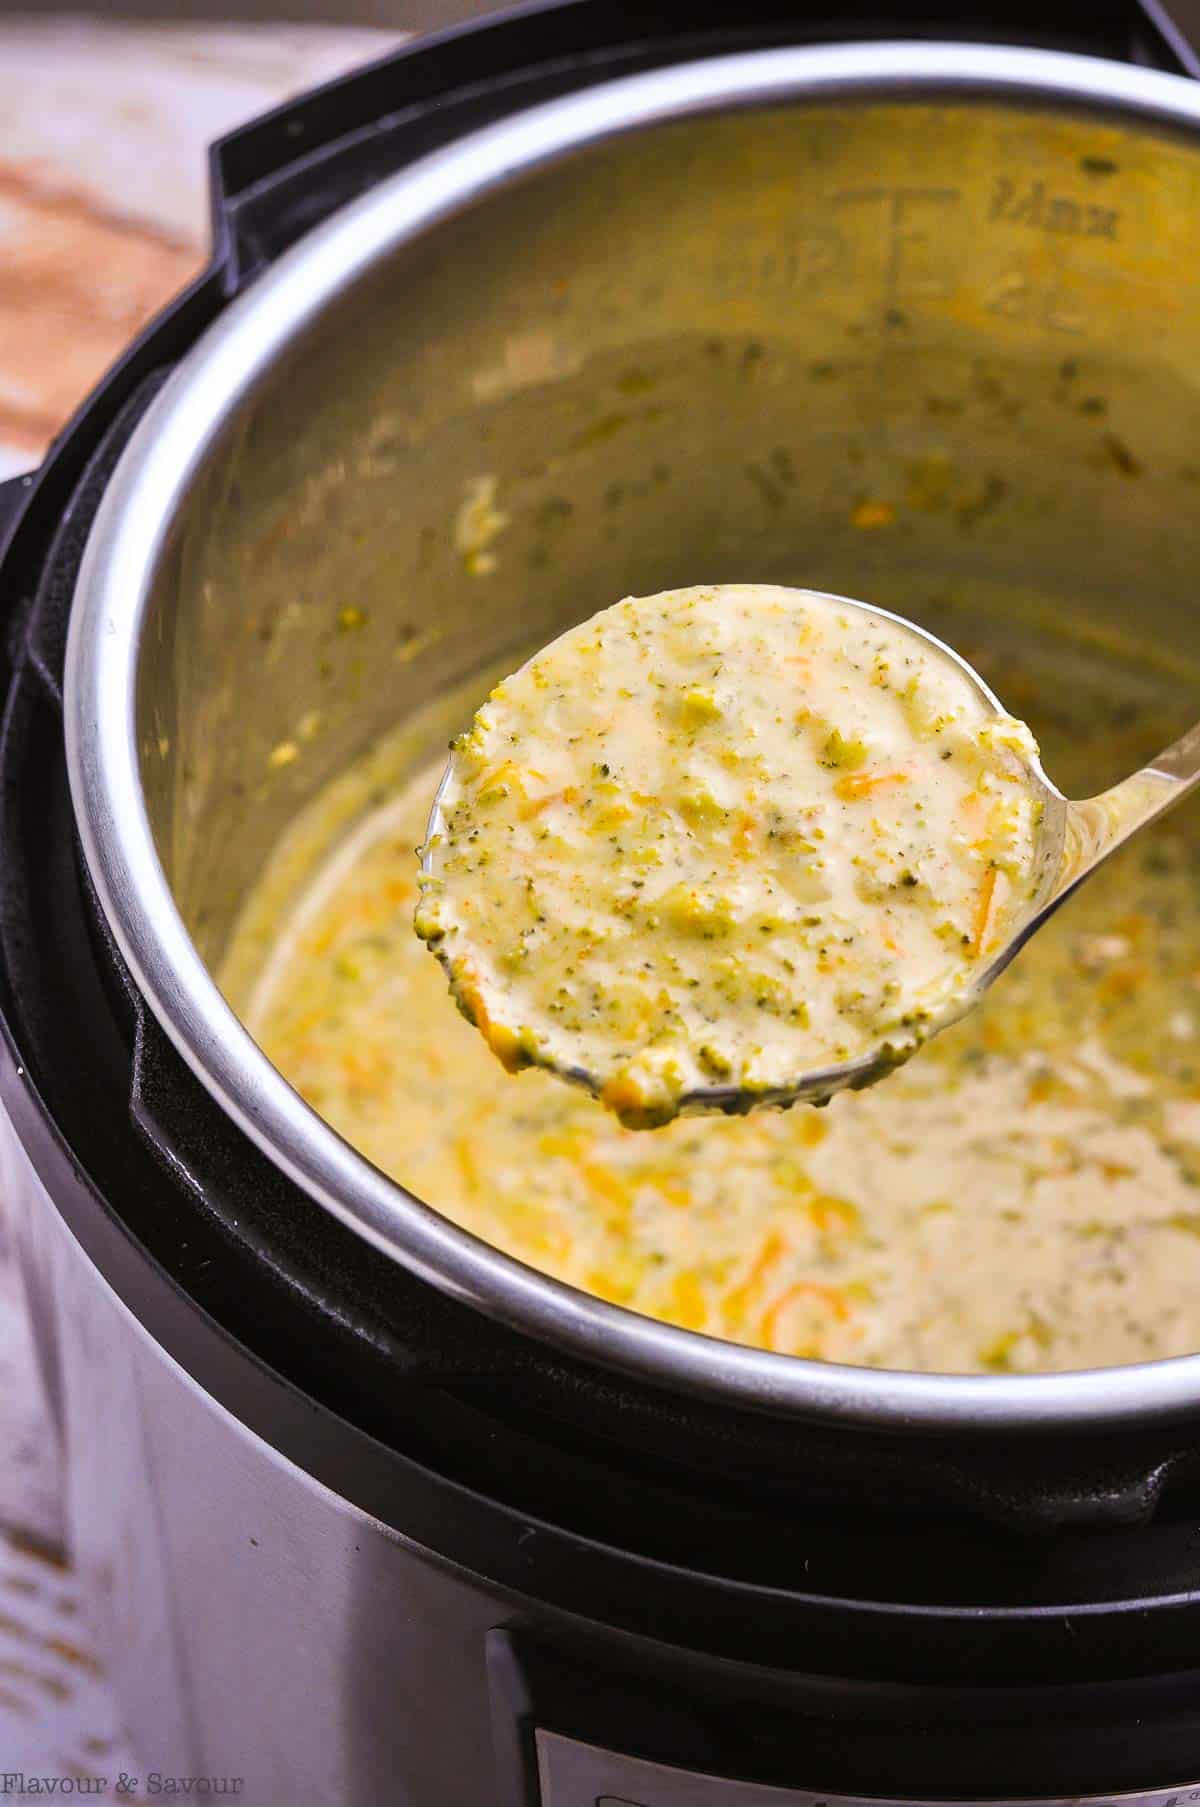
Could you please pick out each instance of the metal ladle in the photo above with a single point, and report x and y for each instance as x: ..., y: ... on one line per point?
x: 1074, y: 839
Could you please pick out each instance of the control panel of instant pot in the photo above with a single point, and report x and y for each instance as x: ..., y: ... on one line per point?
x: 572, y: 1774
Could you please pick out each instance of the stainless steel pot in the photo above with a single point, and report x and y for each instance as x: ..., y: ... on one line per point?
x: 685, y: 322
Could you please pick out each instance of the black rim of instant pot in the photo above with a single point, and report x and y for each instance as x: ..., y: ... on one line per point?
x: 471, y: 1438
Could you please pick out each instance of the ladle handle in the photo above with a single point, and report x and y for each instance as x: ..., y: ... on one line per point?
x: 1097, y: 826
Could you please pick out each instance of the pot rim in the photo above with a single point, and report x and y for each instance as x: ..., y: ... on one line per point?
x: 107, y: 618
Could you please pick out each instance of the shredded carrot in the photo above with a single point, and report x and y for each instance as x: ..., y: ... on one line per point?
x: 772, y: 1248
x: 499, y: 1038
x: 737, y: 1302
x: 857, y: 785
x: 498, y: 774
x: 983, y: 909
x: 472, y: 997
x: 832, y: 1296
x: 538, y: 804
x: 621, y: 1095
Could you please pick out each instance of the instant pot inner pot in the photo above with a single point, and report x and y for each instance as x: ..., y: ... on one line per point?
x: 942, y: 357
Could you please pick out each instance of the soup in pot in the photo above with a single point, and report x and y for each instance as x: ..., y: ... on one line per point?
x: 1024, y: 1195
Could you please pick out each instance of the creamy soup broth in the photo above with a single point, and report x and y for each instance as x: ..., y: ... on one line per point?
x: 1024, y: 1195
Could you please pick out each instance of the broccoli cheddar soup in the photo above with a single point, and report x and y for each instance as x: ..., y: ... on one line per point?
x: 728, y: 836
x: 1023, y: 1195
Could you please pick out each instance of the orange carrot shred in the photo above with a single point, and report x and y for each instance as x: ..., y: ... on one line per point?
x: 772, y: 1248
x: 857, y: 785
x: 831, y: 1296
x: 537, y: 804
x: 983, y: 909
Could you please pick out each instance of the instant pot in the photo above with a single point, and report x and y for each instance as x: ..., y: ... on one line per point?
x: 366, y: 1510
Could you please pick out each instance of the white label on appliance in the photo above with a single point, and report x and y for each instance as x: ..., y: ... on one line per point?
x: 580, y: 1775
